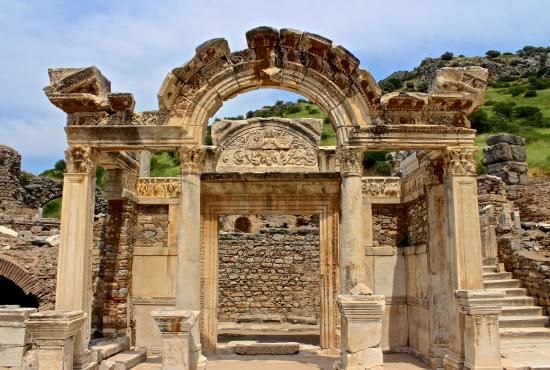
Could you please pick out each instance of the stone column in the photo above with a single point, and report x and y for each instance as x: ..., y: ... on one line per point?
x: 464, y: 241
x: 353, y: 269
x: 188, y: 270
x: 438, y: 274
x: 175, y: 327
x: 74, y: 283
x: 144, y: 163
x: 54, y: 333
x: 361, y: 331
x: 481, y: 334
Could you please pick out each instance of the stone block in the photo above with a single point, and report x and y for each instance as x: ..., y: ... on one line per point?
x: 504, y: 152
x: 505, y: 138
x: 286, y: 348
x: 519, y: 167
x: 11, y: 356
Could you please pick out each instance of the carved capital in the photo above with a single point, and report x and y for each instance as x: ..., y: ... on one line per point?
x: 191, y: 158
x: 80, y: 159
x: 459, y: 161
x: 351, y: 161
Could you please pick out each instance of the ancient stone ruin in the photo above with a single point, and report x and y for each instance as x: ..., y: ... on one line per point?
x: 383, y: 263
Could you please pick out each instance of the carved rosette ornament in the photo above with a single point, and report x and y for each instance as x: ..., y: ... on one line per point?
x: 351, y: 161
x: 80, y: 159
x: 191, y: 158
x: 459, y: 161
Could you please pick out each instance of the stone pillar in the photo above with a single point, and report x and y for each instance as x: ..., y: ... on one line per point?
x: 353, y: 269
x: 54, y: 333
x: 188, y: 270
x: 361, y: 331
x: 438, y: 274
x: 74, y: 283
x: 464, y: 241
x: 144, y: 163
x: 14, y: 336
x: 175, y: 327
x: 481, y: 334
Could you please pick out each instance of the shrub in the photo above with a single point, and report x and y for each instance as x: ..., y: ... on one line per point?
x: 507, y: 53
x: 382, y: 168
x: 480, y: 121
x: 530, y: 94
x: 514, y: 62
x: 447, y: 55
x: 516, y: 90
x: 489, y: 102
x: 492, y: 53
x: 539, y: 83
x: 501, y: 123
x: 504, y: 108
x: 371, y: 158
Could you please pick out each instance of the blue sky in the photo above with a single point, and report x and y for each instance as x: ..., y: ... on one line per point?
x: 135, y: 43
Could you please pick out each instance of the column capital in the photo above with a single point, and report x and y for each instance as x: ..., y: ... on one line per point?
x: 459, y: 161
x: 191, y: 158
x: 80, y: 159
x: 351, y: 160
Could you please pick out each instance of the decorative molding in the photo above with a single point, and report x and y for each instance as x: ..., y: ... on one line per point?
x: 381, y: 187
x: 122, y: 118
x: 351, y: 161
x: 459, y: 161
x: 158, y: 187
x: 191, y: 159
x: 80, y: 159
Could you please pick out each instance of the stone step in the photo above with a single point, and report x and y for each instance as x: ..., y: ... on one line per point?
x: 104, y: 349
x: 515, y: 292
x: 491, y: 268
x: 512, y: 333
x: 514, y: 301
x: 497, y: 276
x: 124, y: 360
x: 521, y: 311
x: 508, y: 283
x: 522, y: 321
x: 282, y: 348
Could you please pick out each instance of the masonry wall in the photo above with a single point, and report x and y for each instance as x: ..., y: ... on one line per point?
x: 274, y: 271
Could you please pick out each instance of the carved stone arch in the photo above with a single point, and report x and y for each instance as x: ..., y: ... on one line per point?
x: 18, y: 275
x: 301, y: 62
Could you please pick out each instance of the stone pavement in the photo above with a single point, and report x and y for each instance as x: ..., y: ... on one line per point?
x: 393, y: 361
x: 526, y: 353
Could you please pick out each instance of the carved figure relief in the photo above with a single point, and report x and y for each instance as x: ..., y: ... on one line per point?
x: 381, y: 186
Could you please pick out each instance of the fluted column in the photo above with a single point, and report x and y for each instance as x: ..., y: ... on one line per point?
x: 188, y: 270
x: 352, y: 251
x: 464, y: 241
x: 73, y: 290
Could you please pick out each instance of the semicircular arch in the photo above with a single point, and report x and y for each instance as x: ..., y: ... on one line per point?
x: 300, y: 62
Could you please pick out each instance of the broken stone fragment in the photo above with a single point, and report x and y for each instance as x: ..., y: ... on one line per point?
x: 7, y: 231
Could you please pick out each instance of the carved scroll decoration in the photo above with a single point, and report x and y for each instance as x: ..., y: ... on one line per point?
x: 80, y: 159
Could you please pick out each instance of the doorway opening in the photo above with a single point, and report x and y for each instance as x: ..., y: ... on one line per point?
x: 269, y: 281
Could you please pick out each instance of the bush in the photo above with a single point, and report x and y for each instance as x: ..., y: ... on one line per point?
x: 507, y: 53
x: 501, y: 123
x: 530, y: 94
x: 539, y: 83
x: 492, y: 53
x: 480, y: 121
x: 516, y: 90
x: 504, y: 108
x: 447, y: 55
x: 382, y: 168
x: 371, y: 158
x: 489, y: 102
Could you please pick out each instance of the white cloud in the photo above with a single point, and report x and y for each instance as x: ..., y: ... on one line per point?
x: 135, y: 43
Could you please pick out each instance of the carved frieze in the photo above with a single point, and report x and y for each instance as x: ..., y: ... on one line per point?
x: 158, y: 187
x: 122, y: 118
x: 191, y: 158
x: 459, y: 161
x: 351, y: 161
x: 381, y: 187
x: 80, y: 159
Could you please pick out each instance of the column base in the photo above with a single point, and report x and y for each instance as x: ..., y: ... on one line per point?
x: 361, y: 331
x: 453, y: 361
x: 179, y: 352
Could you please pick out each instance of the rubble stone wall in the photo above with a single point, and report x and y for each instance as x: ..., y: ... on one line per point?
x: 272, y: 272
x: 389, y: 225
x: 417, y: 222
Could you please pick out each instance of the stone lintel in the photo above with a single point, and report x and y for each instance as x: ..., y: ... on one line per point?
x: 173, y: 321
x: 479, y: 302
